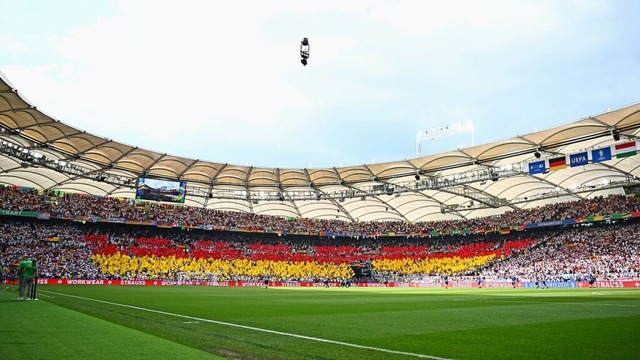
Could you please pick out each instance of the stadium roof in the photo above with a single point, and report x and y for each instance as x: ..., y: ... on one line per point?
x: 39, y: 151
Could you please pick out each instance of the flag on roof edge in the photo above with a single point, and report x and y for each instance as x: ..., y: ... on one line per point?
x: 558, y: 163
x: 537, y: 167
x: 626, y: 149
x: 601, y: 154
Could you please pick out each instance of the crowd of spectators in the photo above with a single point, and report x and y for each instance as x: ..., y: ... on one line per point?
x: 610, y: 252
x: 68, y: 257
x: 55, y: 204
x: 98, y: 250
x: 75, y: 250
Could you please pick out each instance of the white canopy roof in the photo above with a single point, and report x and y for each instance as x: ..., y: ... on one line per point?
x: 42, y: 152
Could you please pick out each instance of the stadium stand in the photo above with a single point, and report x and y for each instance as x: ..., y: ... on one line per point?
x: 123, y: 210
x: 610, y: 249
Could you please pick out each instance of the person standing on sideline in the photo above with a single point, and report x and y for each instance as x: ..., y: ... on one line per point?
x: 29, y: 278
x: 22, y: 270
x: 266, y: 281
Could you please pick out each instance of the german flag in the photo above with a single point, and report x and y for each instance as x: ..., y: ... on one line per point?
x: 558, y: 163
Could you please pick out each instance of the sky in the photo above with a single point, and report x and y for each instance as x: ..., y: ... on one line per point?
x: 222, y: 80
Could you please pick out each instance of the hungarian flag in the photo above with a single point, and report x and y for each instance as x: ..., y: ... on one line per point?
x: 558, y: 163
x: 626, y: 149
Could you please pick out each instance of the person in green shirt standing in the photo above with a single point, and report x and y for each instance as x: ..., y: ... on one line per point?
x: 29, y: 278
x: 25, y: 264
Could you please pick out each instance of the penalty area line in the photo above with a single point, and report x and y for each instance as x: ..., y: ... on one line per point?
x: 298, y: 336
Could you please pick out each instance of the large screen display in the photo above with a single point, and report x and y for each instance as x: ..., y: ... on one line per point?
x: 161, y: 190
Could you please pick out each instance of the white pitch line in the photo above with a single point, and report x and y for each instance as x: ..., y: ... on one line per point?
x: 388, y: 351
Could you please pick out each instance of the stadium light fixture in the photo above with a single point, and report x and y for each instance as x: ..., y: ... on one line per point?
x: 444, y: 131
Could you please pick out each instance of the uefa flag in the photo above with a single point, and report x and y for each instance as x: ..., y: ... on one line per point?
x: 537, y: 167
x: 578, y: 159
x: 601, y: 154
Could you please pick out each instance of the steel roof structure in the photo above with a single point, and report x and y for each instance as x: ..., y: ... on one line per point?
x: 40, y: 151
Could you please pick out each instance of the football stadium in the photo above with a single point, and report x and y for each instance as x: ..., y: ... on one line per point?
x: 527, y: 247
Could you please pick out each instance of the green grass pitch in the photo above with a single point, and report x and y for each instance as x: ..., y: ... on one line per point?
x: 196, y: 322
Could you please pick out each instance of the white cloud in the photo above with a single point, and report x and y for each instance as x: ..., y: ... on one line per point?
x: 11, y: 44
x: 205, y: 65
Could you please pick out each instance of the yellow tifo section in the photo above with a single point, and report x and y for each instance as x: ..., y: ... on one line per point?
x: 168, y: 267
x: 149, y: 267
x: 450, y: 265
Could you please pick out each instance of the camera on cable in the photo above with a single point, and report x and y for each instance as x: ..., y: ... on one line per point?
x: 304, y: 51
